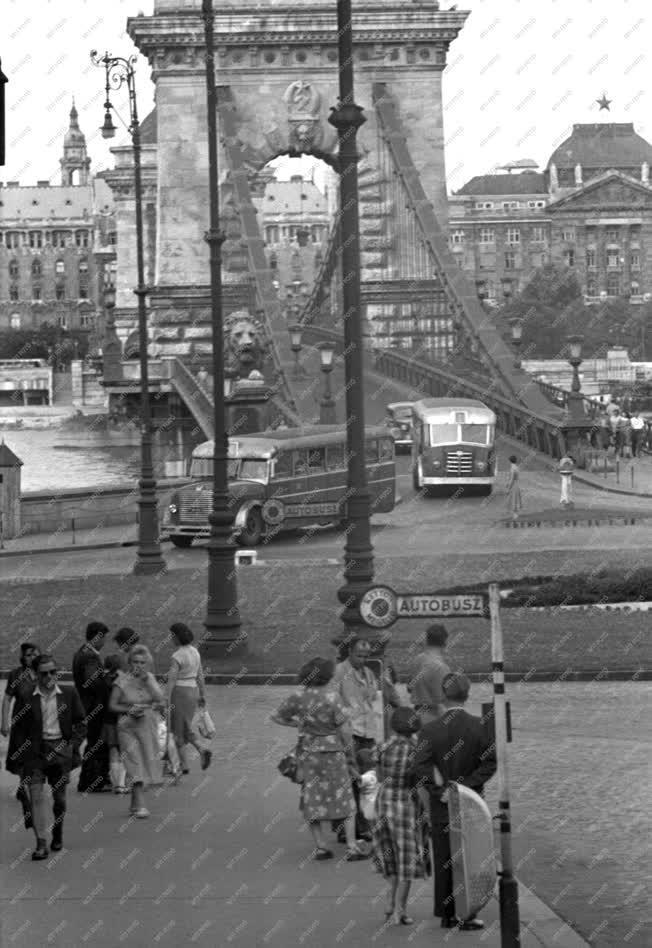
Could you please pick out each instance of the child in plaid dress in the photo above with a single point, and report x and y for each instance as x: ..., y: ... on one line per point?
x: 400, y: 850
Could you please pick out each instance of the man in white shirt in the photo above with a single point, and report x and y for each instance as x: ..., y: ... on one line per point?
x: 49, y: 734
x: 638, y: 426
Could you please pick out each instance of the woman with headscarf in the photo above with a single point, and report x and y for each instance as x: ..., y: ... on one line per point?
x: 325, y: 756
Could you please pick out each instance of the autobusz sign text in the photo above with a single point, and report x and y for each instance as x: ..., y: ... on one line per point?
x: 380, y: 606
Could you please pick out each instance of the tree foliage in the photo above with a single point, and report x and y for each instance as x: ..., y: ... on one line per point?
x: 47, y: 342
x: 551, y: 307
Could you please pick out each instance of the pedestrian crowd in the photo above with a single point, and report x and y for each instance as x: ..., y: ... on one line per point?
x: 132, y: 727
x: 387, y: 799
x: 621, y: 432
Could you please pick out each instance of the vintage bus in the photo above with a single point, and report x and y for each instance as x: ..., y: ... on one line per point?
x: 453, y: 444
x: 281, y: 480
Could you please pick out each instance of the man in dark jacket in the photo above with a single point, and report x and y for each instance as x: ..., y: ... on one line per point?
x: 454, y: 748
x: 48, y: 734
x: 92, y: 687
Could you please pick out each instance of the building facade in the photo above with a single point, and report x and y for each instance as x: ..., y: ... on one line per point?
x: 590, y: 210
x: 57, y: 245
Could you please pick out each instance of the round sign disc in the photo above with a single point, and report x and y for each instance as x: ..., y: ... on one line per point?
x: 273, y: 512
x: 378, y: 607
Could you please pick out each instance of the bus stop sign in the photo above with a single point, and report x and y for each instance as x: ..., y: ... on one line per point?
x: 381, y: 607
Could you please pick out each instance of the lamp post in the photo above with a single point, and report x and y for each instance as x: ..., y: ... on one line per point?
x: 149, y: 560
x: 575, y: 400
x: 296, y: 330
x: 327, y: 415
x: 222, y: 615
x: 517, y: 335
x: 347, y: 118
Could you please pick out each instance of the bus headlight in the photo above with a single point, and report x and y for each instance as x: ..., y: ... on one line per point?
x: 436, y: 463
x: 480, y: 465
x: 173, y: 508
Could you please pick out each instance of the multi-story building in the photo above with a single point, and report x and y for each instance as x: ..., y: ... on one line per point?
x: 590, y: 210
x: 57, y: 244
x: 295, y: 219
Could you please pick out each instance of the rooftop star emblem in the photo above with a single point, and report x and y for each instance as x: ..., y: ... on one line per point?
x: 604, y: 102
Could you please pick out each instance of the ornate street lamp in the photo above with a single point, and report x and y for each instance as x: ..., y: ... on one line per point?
x: 347, y: 118
x: 327, y: 415
x: 222, y: 615
x: 575, y: 400
x: 296, y: 331
x: 149, y: 560
x: 517, y: 335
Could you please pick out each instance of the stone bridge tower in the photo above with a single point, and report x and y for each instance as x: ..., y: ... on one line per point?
x: 279, y: 61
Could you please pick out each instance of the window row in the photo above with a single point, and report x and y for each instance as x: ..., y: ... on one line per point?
x: 333, y: 457
x: 86, y: 321
x: 36, y: 292
x: 508, y: 205
x: 37, y: 267
x: 36, y: 239
x: 537, y: 234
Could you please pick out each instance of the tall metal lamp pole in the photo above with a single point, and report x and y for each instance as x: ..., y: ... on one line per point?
x: 149, y: 559
x: 222, y: 620
x: 347, y: 118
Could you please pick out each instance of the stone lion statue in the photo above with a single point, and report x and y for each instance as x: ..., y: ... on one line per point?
x: 244, y: 346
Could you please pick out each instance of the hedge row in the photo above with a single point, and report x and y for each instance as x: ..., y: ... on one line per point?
x: 603, y: 586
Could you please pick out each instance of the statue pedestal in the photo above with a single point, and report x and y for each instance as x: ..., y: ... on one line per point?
x: 249, y: 407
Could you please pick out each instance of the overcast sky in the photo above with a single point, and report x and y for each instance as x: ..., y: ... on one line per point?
x: 520, y: 74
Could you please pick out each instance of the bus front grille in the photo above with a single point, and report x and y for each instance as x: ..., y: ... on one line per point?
x: 459, y: 463
x: 195, y: 508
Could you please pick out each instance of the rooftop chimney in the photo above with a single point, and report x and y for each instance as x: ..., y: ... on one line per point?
x: 578, y: 174
x: 43, y: 184
x: 645, y: 173
x: 554, y: 180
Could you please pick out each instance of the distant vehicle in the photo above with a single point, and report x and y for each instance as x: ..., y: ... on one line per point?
x: 399, y: 422
x: 453, y: 444
x: 281, y: 480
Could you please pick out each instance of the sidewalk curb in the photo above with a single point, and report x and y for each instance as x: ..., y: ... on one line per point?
x: 289, y: 679
x: 540, y: 920
x: 71, y: 548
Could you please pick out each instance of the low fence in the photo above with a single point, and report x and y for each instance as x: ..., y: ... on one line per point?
x: 73, y: 510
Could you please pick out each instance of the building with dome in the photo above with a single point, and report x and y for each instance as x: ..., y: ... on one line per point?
x: 57, y: 245
x: 590, y: 209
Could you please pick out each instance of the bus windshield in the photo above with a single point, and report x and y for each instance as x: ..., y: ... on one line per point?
x: 475, y: 434
x: 244, y: 469
x: 443, y: 434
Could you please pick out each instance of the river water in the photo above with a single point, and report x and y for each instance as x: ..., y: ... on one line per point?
x: 55, y: 459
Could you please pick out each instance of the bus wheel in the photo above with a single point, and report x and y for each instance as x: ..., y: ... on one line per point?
x: 181, y: 540
x: 252, y: 532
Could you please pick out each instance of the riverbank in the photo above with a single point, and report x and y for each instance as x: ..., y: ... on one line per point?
x: 34, y: 416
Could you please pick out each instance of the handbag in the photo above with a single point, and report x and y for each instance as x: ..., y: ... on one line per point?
x: 168, y: 748
x: 291, y: 767
x: 205, y: 725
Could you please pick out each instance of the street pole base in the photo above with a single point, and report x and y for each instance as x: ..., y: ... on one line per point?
x: 509, y: 917
x: 150, y: 566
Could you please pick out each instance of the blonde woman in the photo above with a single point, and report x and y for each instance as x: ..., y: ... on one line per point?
x: 186, y: 692
x: 135, y: 698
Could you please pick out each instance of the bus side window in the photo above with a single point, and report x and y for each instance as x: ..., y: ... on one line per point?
x: 371, y: 452
x: 283, y: 465
x: 335, y: 457
x: 300, y: 458
x: 316, y: 460
x: 386, y: 449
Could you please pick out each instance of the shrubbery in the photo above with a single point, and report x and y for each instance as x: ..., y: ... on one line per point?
x: 603, y: 586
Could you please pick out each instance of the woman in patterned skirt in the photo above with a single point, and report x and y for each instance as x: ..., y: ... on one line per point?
x: 324, y: 756
x: 400, y: 849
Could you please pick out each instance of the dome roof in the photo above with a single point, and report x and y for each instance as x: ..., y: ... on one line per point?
x: 602, y: 145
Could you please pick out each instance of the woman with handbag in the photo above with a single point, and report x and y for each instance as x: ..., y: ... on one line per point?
x: 325, y: 759
x: 136, y: 698
x: 186, y: 692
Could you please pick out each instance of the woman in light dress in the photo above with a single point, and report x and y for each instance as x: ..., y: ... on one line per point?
x: 514, y: 498
x: 186, y: 692
x: 137, y: 699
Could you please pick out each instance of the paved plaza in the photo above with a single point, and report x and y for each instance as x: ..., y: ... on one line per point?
x: 224, y: 859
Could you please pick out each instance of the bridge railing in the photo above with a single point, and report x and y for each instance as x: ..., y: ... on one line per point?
x: 197, y: 399
x: 514, y: 419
